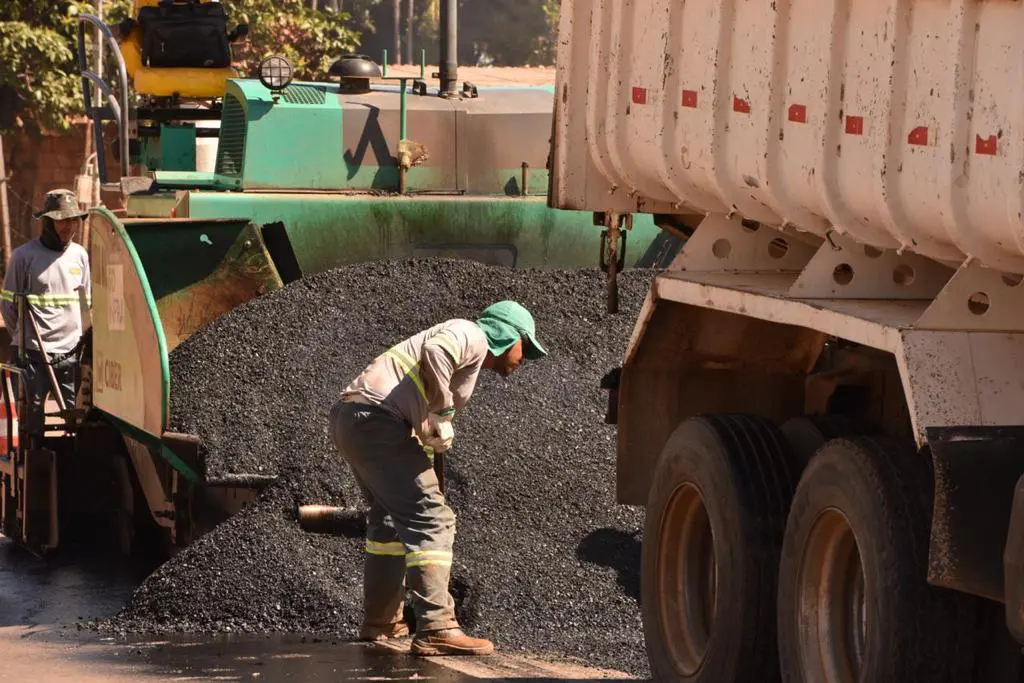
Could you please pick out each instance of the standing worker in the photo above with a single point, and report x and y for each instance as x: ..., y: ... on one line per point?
x: 389, y: 424
x: 47, y: 272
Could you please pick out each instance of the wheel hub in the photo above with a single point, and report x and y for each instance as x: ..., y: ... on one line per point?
x: 687, y: 578
x: 832, y: 602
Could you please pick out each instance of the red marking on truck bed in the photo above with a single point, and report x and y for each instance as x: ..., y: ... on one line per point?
x: 690, y: 98
x: 855, y: 125
x: 740, y: 105
x: 987, y: 146
x: 639, y: 95
x: 798, y: 113
x: 918, y: 136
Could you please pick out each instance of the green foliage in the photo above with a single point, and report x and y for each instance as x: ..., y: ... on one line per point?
x: 512, y: 33
x: 34, y: 65
x: 310, y: 39
x: 545, y: 44
x: 38, y: 64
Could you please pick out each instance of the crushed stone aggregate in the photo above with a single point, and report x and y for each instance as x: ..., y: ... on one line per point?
x: 545, y: 560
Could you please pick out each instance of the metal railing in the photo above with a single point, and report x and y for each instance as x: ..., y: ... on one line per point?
x: 121, y: 110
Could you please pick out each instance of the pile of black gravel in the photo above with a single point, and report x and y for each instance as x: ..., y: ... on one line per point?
x: 545, y: 559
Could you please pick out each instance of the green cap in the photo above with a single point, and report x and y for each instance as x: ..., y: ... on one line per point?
x: 61, y: 205
x: 504, y: 323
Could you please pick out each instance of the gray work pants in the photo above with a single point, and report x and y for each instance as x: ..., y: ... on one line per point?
x: 37, y: 388
x: 410, y: 530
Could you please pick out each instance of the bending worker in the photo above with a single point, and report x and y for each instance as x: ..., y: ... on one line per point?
x: 388, y: 424
x: 47, y: 272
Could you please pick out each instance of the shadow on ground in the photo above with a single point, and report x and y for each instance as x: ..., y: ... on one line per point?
x: 618, y: 550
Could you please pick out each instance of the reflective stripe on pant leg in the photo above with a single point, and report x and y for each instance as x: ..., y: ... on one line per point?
x: 422, y: 558
x: 393, y: 549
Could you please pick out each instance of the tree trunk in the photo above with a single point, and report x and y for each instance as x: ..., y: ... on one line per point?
x: 410, y: 23
x: 398, y: 31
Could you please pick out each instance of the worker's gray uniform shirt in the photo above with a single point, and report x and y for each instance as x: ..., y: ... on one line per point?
x: 50, y: 280
x: 434, y: 371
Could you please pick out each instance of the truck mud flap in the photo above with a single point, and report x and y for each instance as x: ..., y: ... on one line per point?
x: 976, y: 473
x: 1013, y: 565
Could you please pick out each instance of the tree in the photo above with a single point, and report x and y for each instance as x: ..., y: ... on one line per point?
x: 37, y: 60
x: 545, y: 44
x: 311, y: 39
x: 507, y: 31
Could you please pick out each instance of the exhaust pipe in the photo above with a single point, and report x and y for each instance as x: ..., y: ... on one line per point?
x: 449, y: 72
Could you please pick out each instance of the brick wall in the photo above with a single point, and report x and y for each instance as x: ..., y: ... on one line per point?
x: 37, y: 164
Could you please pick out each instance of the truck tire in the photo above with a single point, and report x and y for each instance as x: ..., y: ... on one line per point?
x: 715, y: 517
x: 808, y: 433
x: 854, y: 604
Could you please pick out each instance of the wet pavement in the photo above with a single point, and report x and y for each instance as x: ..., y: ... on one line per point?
x: 42, y: 605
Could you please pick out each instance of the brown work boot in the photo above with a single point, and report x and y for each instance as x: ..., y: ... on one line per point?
x: 377, y: 632
x: 449, y: 641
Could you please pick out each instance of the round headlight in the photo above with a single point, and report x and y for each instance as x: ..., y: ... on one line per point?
x: 275, y: 73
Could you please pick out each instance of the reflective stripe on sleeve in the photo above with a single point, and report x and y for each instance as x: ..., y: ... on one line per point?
x: 393, y: 548
x: 423, y: 558
x: 446, y: 342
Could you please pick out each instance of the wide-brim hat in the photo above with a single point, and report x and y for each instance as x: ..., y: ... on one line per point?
x: 61, y: 205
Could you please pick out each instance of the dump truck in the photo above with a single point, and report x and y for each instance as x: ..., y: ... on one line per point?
x: 821, y: 404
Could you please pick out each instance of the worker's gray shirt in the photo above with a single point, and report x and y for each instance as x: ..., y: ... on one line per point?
x: 434, y: 371
x: 50, y: 281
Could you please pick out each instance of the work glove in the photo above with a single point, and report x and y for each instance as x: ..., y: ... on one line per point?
x: 442, y: 433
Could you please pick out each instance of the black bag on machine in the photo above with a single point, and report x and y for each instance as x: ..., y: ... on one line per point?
x: 185, y: 34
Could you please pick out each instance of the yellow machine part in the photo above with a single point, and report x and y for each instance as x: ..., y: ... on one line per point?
x: 184, y: 82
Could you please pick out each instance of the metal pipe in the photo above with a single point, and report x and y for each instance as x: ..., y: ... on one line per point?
x: 403, y: 130
x: 328, y: 519
x: 122, y: 77
x: 5, y: 209
x: 449, y: 66
x: 241, y: 481
x: 97, y: 38
x: 610, y: 257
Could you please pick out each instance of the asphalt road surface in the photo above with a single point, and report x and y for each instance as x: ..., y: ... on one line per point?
x: 42, y: 606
